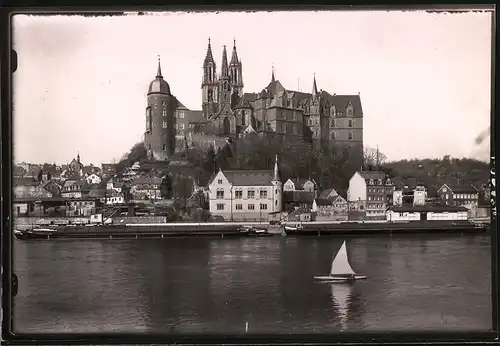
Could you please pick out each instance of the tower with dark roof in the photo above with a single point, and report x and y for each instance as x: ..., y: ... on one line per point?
x: 159, y: 138
x: 209, y: 85
x: 236, y: 73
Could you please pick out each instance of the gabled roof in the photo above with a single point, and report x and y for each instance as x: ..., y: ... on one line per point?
x: 248, y: 178
x: 245, y: 100
x: 326, y: 193
x: 372, y: 175
x: 467, y: 188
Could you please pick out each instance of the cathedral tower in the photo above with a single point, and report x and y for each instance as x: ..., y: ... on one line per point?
x: 159, y: 138
x: 224, y: 81
x: 209, y: 85
x: 235, y: 73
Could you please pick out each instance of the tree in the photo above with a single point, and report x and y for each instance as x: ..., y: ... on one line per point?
x: 49, y: 176
x: 373, y: 158
x: 40, y: 175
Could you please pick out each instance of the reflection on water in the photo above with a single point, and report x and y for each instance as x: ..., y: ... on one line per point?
x: 219, y: 285
x: 341, y: 298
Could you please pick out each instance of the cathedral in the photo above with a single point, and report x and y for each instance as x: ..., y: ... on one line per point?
x: 227, y: 112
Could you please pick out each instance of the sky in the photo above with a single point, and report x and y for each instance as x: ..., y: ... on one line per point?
x: 424, y: 78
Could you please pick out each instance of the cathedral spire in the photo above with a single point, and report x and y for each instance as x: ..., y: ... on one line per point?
x: 315, y: 88
x: 209, y: 57
x: 234, y: 57
x: 224, y: 68
x: 158, y: 73
x: 272, y: 75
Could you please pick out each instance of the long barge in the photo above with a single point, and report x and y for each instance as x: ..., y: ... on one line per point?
x: 224, y: 229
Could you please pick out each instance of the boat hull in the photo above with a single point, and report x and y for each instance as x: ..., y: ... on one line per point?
x: 333, y: 278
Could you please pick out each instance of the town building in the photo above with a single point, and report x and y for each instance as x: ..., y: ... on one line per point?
x: 246, y: 195
x: 369, y: 193
x: 331, y: 209
x: 461, y: 195
x: 81, y: 207
x: 428, y: 212
x: 93, y: 179
x: 146, y: 188
x: 409, y: 192
x: 328, y: 194
x: 309, y: 185
x: 75, y: 189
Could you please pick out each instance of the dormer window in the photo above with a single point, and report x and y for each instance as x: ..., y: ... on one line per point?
x: 371, y: 182
x: 380, y: 181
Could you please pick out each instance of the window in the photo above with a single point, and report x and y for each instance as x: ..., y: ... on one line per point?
x: 181, y: 126
x: 349, y: 112
x: 332, y: 135
x: 332, y: 122
x: 239, y: 206
x: 263, y: 193
x: 263, y: 206
x: 350, y: 135
x: 349, y: 123
x: 164, y: 147
x: 276, y: 191
x: 220, y: 194
x: 164, y: 113
x: 251, y: 194
x: 220, y: 206
x: 238, y: 194
x: 163, y: 103
x: 444, y: 189
x: 164, y: 124
x: 219, y: 181
x: 294, y: 116
x: 181, y: 115
x: 251, y: 207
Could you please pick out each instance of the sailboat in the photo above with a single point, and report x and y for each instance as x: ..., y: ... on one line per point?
x: 341, y: 297
x: 341, y: 269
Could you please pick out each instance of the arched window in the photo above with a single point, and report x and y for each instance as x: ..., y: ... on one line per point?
x: 349, y: 123
x: 332, y: 135
x: 350, y: 135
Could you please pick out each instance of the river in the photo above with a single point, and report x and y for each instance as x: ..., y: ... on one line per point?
x: 202, y: 285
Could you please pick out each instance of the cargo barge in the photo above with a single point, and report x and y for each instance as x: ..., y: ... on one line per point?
x: 224, y: 229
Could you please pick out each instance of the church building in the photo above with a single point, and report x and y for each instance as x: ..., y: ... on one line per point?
x: 323, y: 118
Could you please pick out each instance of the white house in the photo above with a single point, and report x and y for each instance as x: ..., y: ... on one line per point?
x: 370, y: 192
x: 429, y: 212
x: 93, y: 179
x: 246, y: 195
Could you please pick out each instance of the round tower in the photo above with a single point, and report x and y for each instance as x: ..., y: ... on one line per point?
x: 159, y: 138
x: 278, y: 188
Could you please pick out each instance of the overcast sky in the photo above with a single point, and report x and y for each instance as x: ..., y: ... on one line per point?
x: 81, y: 82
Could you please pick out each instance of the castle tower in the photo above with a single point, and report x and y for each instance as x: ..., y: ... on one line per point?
x: 278, y: 188
x: 159, y: 138
x: 209, y: 85
x: 235, y: 73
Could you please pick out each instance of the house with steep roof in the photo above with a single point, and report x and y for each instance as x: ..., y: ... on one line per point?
x: 331, y: 209
x: 370, y: 192
x: 246, y: 195
x: 328, y: 194
x: 75, y: 189
x: 466, y: 195
x: 301, y: 185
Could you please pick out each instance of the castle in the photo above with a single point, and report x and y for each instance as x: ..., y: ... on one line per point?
x: 228, y: 112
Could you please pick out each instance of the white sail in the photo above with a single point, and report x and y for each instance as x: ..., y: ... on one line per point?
x: 341, y: 296
x: 340, y: 264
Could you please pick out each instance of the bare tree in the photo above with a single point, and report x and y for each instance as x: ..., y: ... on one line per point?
x: 373, y: 157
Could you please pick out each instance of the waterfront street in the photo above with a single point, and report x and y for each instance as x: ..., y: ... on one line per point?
x: 202, y: 285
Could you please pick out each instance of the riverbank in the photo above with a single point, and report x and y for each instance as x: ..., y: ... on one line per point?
x: 224, y: 229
